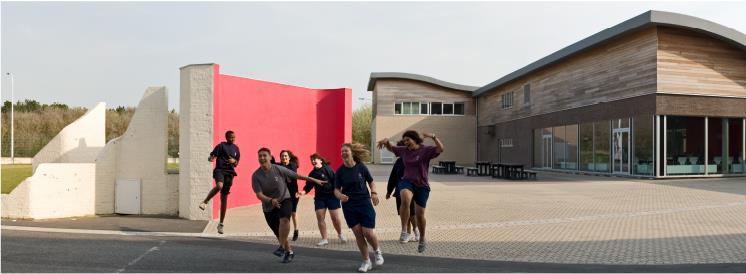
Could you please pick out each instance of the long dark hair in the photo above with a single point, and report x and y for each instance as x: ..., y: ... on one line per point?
x: 317, y: 156
x: 414, y: 135
x: 293, y: 158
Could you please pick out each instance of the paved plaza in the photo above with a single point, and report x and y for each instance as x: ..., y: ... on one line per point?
x: 559, y: 218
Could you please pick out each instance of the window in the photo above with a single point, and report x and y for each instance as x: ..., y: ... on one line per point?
x: 423, y: 108
x: 447, y: 109
x: 526, y: 93
x: 407, y: 108
x: 397, y: 108
x: 506, y: 142
x: 436, y: 108
x: 507, y: 100
x: 458, y: 108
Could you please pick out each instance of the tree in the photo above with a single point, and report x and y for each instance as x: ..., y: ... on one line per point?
x: 361, y: 124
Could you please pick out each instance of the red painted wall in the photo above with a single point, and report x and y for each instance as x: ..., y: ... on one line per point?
x: 277, y: 116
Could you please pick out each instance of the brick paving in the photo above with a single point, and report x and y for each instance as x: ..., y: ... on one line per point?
x: 560, y: 218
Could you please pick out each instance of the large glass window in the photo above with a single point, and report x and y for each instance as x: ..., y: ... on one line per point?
x: 685, y: 145
x: 602, y: 146
x: 643, y: 139
x: 436, y: 108
x: 586, y: 147
x: 717, y: 142
x: 736, y: 163
x: 407, y: 108
x: 423, y: 108
x: 571, y: 138
x: 559, y: 147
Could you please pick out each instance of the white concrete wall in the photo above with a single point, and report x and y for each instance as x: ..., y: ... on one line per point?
x: 140, y: 153
x: 55, y: 190
x: 195, y: 139
x: 78, y: 142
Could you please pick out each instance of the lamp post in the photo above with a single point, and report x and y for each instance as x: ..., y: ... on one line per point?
x: 12, y: 141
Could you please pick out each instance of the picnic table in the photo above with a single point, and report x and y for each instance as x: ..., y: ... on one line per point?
x: 507, y: 170
x: 450, y: 166
x: 484, y: 168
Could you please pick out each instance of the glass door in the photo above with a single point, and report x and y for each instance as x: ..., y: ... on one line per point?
x: 546, y: 148
x: 620, y: 148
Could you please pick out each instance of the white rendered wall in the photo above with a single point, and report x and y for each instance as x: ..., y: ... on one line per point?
x: 56, y: 190
x: 78, y: 142
x: 195, y: 139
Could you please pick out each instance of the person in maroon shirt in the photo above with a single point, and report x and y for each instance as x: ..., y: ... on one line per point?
x: 414, y: 184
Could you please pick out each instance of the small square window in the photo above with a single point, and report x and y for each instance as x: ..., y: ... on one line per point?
x: 447, y: 109
x: 397, y: 108
x: 423, y: 108
x: 458, y: 108
x: 436, y: 108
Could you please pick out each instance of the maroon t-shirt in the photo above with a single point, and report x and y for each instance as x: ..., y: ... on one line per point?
x: 416, y: 163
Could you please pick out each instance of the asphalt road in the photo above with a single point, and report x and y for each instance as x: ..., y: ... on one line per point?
x: 24, y: 251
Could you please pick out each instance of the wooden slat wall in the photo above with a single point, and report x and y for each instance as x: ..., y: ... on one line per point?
x: 388, y: 91
x: 623, y: 67
x: 694, y: 63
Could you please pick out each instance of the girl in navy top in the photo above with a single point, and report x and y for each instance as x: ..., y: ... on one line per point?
x: 289, y: 161
x: 351, y: 184
x: 324, y: 199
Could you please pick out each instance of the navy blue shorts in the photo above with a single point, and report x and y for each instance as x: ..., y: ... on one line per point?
x: 419, y: 194
x: 330, y: 203
x: 226, y: 177
x: 359, y: 212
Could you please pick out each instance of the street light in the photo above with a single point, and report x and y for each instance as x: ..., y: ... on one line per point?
x: 12, y: 141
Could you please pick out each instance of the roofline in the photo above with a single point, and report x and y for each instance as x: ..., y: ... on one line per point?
x: 649, y: 18
x: 375, y: 76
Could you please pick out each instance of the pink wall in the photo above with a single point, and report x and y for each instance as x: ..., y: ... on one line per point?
x: 277, y: 116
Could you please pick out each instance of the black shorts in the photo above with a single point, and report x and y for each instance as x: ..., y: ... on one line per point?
x: 223, y: 176
x: 273, y: 217
x: 294, y: 201
x: 359, y: 212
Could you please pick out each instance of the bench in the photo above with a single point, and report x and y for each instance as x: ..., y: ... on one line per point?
x: 528, y: 175
x: 439, y: 169
x: 472, y: 171
x: 459, y: 169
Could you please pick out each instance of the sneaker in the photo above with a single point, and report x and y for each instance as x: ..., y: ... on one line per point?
x: 295, y: 235
x: 365, y: 266
x: 421, y: 247
x: 404, y: 238
x: 416, y: 236
x: 379, y: 257
x: 323, y: 242
x: 279, y: 252
x: 289, y: 255
x: 220, y: 228
x: 342, y: 238
x: 202, y: 206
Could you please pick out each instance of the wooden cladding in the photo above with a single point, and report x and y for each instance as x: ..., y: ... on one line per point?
x: 694, y: 63
x: 389, y: 91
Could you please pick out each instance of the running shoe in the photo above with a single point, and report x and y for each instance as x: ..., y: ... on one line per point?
x: 404, y: 238
x: 202, y: 206
x: 289, y: 255
x: 220, y: 228
x: 379, y: 257
x: 323, y: 242
x: 365, y: 266
x: 342, y: 238
x: 421, y: 247
x: 295, y: 235
x: 279, y: 252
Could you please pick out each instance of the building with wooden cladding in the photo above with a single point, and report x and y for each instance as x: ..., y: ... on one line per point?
x: 659, y: 95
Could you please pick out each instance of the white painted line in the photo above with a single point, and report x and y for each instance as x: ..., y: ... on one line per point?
x: 133, y: 262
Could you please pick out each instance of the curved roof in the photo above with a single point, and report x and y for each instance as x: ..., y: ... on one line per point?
x: 649, y: 18
x: 416, y: 77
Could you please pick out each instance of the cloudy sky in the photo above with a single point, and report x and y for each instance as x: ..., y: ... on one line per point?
x: 85, y: 52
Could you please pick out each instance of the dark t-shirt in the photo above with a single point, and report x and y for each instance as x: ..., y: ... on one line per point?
x: 293, y: 183
x: 222, y: 151
x: 416, y: 163
x: 325, y: 173
x: 352, y: 181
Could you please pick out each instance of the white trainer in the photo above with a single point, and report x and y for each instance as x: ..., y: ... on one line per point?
x: 202, y: 206
x: 379, y: 257
x: 404, y: 238
x: 365, y: 266
x: 342, y: 238
x: 323, y: 242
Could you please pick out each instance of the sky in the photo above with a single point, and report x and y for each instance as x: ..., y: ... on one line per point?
x: 80, y: 53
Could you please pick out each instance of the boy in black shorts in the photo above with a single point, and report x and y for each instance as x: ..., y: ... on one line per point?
x: 228, y: 155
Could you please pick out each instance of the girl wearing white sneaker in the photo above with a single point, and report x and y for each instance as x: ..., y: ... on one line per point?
x: 324, y: 199
x: 357, y: 202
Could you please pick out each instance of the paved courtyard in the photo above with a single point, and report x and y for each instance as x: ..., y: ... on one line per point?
x: 560, y: 218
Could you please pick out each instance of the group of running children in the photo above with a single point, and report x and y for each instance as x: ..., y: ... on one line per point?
x: 351, y: 188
